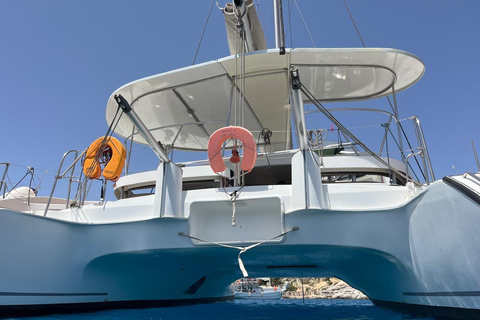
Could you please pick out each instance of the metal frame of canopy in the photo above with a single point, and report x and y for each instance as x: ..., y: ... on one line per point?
x: 269, y: 64
x: 354, y: 98
x: 331, y: 75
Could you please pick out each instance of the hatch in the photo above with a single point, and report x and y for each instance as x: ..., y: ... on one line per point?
x: 256, y: 220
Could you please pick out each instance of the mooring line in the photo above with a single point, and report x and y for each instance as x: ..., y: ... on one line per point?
x: 242, y: 249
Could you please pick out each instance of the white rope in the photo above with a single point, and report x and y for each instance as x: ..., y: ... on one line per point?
x: 242, y: 249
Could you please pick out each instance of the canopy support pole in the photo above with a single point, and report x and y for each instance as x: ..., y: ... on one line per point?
x: 298, y: 110
x: 306, y: 176
x: 142, y: 129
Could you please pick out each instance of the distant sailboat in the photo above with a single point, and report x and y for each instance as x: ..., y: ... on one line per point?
x: 249, y: 289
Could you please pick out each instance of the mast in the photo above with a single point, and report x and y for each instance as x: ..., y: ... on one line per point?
x: 279, y: 31
x: 241, y: 17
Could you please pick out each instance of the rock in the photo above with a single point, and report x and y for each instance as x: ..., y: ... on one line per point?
x: 322, y: 288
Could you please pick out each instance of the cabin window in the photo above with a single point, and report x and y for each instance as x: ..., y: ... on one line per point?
x: 269, y: 175
x: 200, y: 184
x: 355, y: 178
x: 139, y: 192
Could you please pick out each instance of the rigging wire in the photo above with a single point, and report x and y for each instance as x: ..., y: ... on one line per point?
x: 388, y: 98
x: 82, y: 189
x: 203, y: 32
x: 264, y: 26
x: 290, y: 22
x: 41, y: 180
x: 244, y: 84
x: 354, y: 24
x: 460, y: 155
x: 305, y: 23
x: 26, y: 167
x: 29, y: 171
x: 240, y: 86
x: 33, y: 174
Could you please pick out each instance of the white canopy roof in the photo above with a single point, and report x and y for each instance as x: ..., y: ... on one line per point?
x: 198, y: 97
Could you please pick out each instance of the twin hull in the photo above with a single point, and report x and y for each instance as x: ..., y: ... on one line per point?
x: 424, y: 253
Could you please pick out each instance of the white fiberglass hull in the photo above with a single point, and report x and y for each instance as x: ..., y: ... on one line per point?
x: 420, y: 257
x: 48, y: 263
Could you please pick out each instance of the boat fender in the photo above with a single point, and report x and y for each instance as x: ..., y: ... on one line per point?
x: 215, y: 147
x: 113, y: 168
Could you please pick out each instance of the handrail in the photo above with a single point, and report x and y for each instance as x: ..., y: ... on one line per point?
x: 419, y: 153
x: 429, y: 175
x: 423, y: 144
x: 59, y: 176
x: 347, y: 132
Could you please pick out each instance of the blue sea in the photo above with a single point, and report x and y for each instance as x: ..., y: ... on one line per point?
x: 291, y: 309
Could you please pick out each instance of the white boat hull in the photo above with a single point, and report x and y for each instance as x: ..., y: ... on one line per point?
x: 50, y: 263
x: 420, y: 257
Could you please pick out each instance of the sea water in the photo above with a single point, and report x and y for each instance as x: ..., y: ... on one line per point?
x: 285, y: 309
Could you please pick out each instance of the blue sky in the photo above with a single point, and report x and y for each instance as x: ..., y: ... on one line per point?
x: 61, y: 60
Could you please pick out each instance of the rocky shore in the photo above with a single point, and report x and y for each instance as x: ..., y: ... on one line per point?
x: 320, y: 288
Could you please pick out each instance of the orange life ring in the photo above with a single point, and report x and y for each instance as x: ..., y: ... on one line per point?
x: 232, y: 132
x: 113, y: 168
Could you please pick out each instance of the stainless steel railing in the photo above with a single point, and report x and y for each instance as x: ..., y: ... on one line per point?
x: 67, y: 174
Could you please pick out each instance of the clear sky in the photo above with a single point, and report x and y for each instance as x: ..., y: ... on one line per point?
x: 60, y: 61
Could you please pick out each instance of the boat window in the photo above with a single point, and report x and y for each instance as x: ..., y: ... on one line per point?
x: 355, y: 178
x: 139, y: 192
x: 370, y: 178
x: 338, y: 178
x: 269, y: 175
x: 200, y: 184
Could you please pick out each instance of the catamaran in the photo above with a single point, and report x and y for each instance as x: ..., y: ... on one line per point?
x: 274, y: 197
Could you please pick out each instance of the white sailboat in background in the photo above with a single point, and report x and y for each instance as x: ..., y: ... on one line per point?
x: 274, y: 198
x: 249, y: 289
